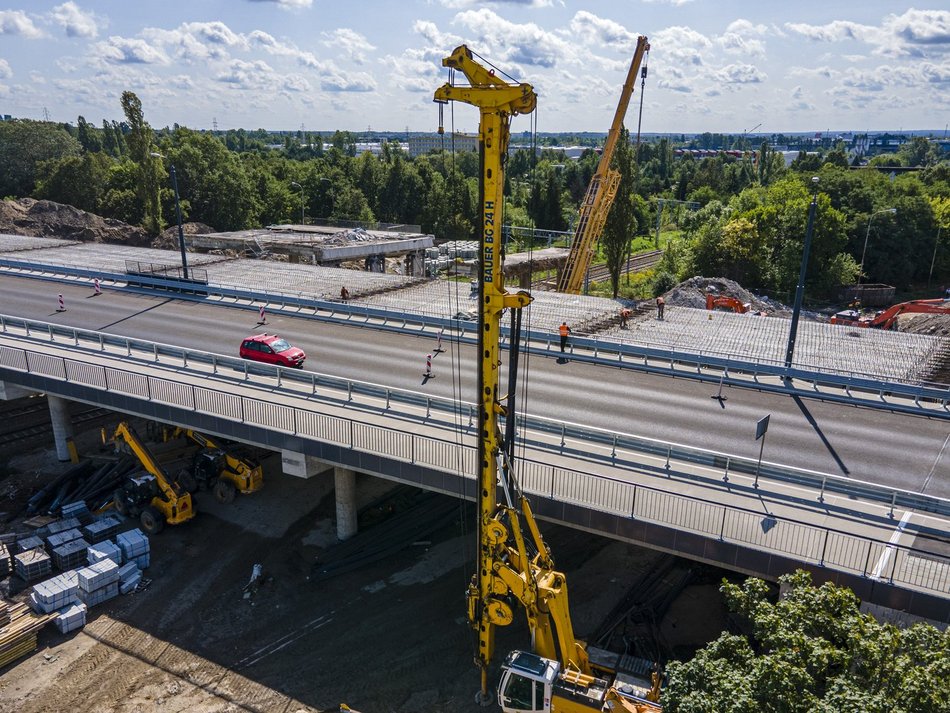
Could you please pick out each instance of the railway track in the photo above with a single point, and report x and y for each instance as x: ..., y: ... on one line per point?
x: 24, y: 422
x: 600, y: 273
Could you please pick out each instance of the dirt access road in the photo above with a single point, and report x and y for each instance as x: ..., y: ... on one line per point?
x: 388, y: 635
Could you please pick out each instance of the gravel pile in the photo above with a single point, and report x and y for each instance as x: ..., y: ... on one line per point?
x: 692, y: 293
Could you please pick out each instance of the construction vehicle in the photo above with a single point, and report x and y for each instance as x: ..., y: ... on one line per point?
x: 217, y: 467
x: 726, y: 304
x: 513, y: 561
x: 152, y: 497
x: 887, y: 319
x: 602, y: 190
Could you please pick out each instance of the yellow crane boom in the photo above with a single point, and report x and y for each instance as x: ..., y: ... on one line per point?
x: 601, y: 192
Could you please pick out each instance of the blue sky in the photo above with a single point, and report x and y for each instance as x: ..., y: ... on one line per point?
x: 714, y: 65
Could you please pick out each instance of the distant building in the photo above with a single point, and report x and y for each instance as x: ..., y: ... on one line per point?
x: 420, y: 144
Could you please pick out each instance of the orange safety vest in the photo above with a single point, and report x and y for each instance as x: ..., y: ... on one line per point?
x: 563, y: 330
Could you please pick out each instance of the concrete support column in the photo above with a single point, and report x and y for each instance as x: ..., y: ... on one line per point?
x: 344, y: 481
x: 417, y: 263
x: 9, y: 392
x: 62, y: 425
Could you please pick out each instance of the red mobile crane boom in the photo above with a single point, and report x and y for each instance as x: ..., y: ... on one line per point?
x: 888, y: 318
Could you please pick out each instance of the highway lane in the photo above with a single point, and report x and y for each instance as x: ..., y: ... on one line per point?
x: 901, y: 451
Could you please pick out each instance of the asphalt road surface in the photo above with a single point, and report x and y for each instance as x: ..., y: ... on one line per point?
x: 908, y: 452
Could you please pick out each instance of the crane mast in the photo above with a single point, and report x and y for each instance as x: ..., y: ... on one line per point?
x: 602, y: 190
x: 498, y: 101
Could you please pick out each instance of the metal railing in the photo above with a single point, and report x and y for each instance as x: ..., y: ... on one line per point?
x: 822, y: 545
x: 541, y: 432
x: 913, y: 397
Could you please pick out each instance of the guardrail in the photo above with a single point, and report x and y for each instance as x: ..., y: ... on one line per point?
x: 806, y: 542
x: 921, y: 398
x: 298, y: 382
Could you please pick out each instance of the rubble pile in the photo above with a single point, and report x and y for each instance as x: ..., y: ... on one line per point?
x: 692, y: 293
x: 46, y: 219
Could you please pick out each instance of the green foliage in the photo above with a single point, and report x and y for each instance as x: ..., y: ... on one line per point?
x: 812, y: 650
x: 663, y: 282
x: 621, y: 222
x: 24, y: 144
x: 80, y: 181
x: 140, y: 145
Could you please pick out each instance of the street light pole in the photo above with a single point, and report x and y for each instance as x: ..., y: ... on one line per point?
x: 868, y: 235
x: 800, y: 289
x: 294, y: 183
x: 181, y: 233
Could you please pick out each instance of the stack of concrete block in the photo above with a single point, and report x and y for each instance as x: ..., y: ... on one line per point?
x: 61, y: 538
x: 68, y: 523
x: 102, y: 529
x: 129, y: 577
x: 54, y: 593
x: 77, y: 510
x: 4, y: 561
x: 33, y: 564
x: 106, y: 549
x: 71, y: 617
x: 70, y: 555
x: 134, y: 546
x: 98, y: 582
x: 29, y: 543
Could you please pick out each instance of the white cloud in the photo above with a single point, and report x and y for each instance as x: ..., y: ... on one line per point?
x: 600, y: 31
x: 459, y: 4
x: 740, y: 38
x: 511, y: 42
x: 123, y: 50
x: 16, y: 22
x: 835, y: 31
x: 246, y: 75
x: 296, y: 83
x: 351, y: 43
x: 342, y: 82
x: 5, y: 71
x: 288, y: 4
x: 675, y: 3
x: 740, y: 74
x: 76, y: 22
x: 680, y: 45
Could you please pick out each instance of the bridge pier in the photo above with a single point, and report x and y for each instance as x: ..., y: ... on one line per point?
x: 62, y: 426
x: 344, y: 481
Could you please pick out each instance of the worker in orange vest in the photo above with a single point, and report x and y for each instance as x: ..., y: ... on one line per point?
x: 660, y: 305
x: 563, y: 330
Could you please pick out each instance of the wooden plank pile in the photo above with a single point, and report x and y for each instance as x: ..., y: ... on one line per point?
x: 18, y: 628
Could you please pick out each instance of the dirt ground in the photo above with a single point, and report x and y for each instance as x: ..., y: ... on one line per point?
x: 387, y: 636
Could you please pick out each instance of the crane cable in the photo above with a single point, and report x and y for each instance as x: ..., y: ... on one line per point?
x: 453, y: 304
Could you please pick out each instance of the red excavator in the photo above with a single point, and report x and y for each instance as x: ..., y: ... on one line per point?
x: 726, y: 304
x: 886, y: 319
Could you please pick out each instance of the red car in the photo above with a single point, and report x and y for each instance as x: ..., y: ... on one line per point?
x: 271, y: 349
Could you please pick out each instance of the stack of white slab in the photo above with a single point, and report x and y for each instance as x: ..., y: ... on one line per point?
x: 54, y: 593
x: 104, y: 550
x: 71, y: 617
x: 135, y: 547
x: 71, y: 554
x: 33, y: 564
x: 129, y: 577
x: 98, y: 582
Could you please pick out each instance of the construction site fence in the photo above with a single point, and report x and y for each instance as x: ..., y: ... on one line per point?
x: 925, y: 398
x: 312, y: 384
x: 820, y: 545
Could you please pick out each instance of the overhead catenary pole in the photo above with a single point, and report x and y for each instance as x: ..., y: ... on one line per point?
x: 800, y: 289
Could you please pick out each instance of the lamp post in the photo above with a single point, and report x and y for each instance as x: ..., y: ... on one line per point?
x: 294, y: 183
x: 800, y: 289
x: 867, y: 235
x: 181, y: 233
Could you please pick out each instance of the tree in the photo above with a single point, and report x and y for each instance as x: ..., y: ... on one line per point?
x: 811, y: 651
x: 24, y: 144
x: 79, y: 181
x: 140, y: 149
x: 621, y: 223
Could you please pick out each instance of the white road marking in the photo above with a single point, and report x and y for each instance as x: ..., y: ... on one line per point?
x: 933, y: 468
x: 886, y: 554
